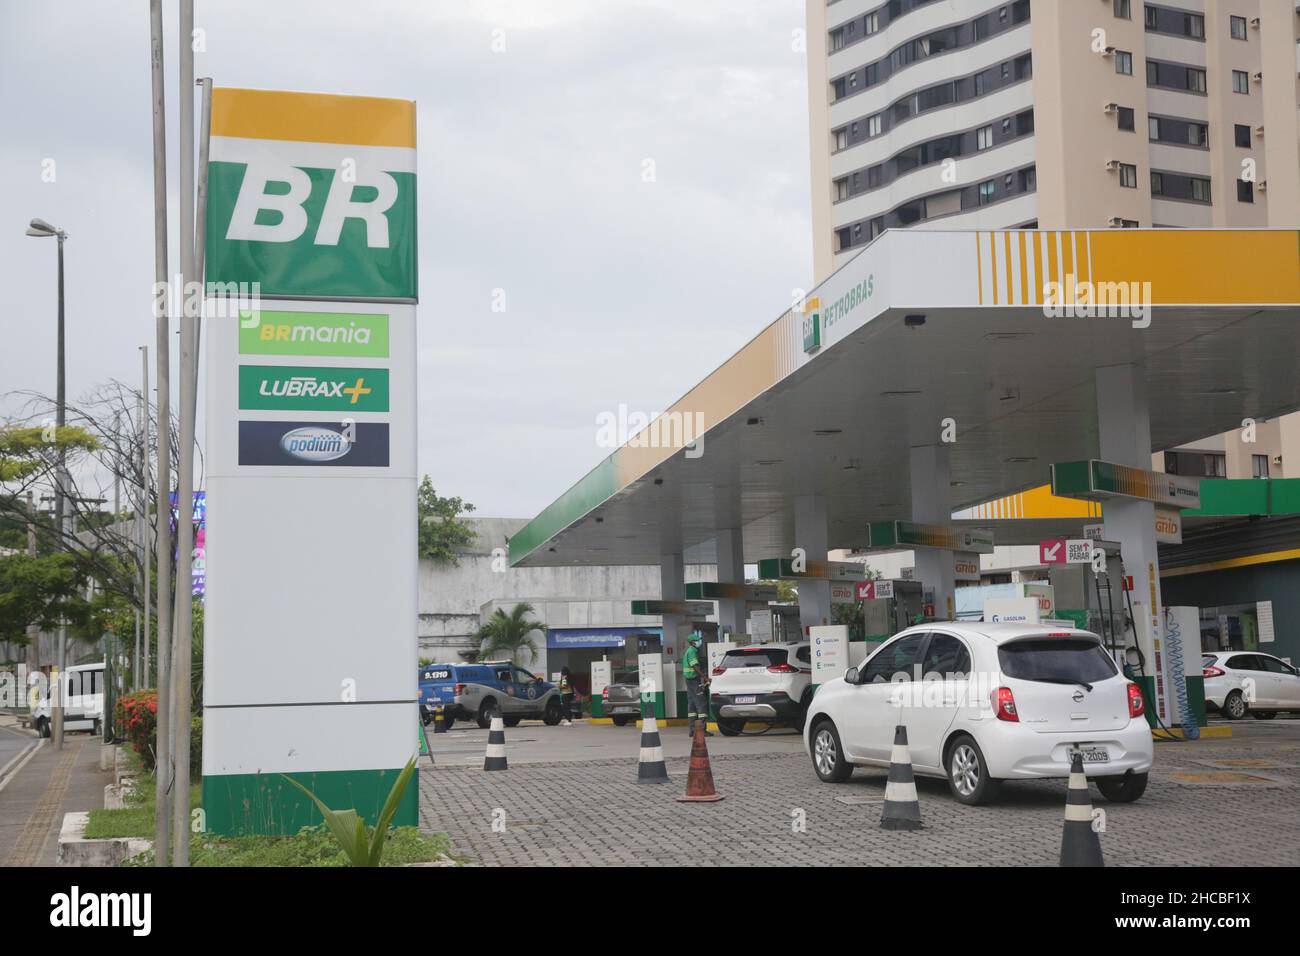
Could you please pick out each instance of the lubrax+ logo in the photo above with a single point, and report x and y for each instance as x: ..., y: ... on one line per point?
x: 322, y: 389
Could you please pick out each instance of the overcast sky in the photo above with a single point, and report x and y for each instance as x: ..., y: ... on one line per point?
x: 617, y: 290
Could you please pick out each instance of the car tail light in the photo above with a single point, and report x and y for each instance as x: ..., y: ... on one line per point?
x: 458, y: 690
x: 605, y: 693
x: 1004, y: 705
x: 1136, y: 705
x: 717, y: 670
x: 1212, y: 672
x: 782, y: 669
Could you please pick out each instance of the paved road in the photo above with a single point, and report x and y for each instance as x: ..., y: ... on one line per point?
x: 570, y: 797
x: 12, y: 743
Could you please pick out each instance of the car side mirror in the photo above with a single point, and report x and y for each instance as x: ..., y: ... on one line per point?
x: 851, y: 675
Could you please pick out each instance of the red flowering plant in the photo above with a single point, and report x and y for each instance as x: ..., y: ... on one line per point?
x: 137, y: 721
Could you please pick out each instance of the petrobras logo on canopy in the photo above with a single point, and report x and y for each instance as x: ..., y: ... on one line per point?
x: 322, y: 389
x: 312, y: 195
x: 346, y: 443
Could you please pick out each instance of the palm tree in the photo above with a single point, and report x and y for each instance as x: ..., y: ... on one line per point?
x: 509, y: 634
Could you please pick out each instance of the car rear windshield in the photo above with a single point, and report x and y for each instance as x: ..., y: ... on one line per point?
x: 1056, y: 659
x: 1208, y: 660
x: 767, y: 657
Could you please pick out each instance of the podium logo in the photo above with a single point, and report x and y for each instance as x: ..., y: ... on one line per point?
x: 334, y: 334
x: 331, y: 444
x: 318, y: 389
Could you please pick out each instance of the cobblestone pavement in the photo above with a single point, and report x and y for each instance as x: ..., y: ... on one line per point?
x: 1211, y: 802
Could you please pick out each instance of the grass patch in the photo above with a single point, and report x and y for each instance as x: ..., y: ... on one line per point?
x: 310, y: 846
x: 136, y: 818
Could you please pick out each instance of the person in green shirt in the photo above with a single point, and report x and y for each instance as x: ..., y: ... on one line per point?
x: 693, y: 667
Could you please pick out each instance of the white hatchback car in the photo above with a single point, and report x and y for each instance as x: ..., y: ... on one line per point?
x: 1241, y: 682
x: 984, y: 703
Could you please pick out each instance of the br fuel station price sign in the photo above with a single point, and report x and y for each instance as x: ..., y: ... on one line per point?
x: 311, y: 428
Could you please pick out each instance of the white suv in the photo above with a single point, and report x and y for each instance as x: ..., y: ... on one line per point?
x: 984, y: 703
x: 762, y: 682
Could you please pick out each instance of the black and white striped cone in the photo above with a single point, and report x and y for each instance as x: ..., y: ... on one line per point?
x: 650, y: 766
x: 1080, y: 845
x: 439, y: 721
x: 902, y: 809
x: 496, y: 748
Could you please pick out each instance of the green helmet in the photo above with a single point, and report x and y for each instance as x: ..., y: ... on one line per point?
x: 695, y: 638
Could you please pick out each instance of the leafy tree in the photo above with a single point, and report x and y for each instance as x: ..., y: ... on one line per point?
x: 787, y: 591
x: 442, y: 536
x: 41, y: 590
x: 509, y: 634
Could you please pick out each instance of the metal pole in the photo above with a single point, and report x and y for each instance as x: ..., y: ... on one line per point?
x: 145, y: 486
x: 185, y: 457
x: 163, y: 766
x: 201, y: 213
x: 60, y: 418
x: 33, y: 632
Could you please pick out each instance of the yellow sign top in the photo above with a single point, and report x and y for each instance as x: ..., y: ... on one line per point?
x: 313, y: 117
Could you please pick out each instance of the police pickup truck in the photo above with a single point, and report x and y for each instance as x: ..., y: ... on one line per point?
x: 488, y: 689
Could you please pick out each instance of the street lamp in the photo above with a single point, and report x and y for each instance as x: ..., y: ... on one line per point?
x: 40, y: 229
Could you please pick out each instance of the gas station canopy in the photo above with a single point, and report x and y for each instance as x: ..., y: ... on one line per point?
x: 987, y: 340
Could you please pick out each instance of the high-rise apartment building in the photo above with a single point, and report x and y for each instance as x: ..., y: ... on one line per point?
x: 971, y: 114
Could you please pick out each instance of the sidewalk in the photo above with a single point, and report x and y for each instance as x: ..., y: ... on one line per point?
x: 49, y: 784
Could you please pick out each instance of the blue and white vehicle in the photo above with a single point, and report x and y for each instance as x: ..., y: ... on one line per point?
x: 485, y: 690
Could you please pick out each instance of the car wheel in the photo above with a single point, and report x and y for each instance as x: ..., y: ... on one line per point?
x: 1123, y: 789
x: 1262, y: 714
x: 553, y: 714
x: 486, y: 711
x: 828, y: 754
x: 1234, y: 706
x: 968, y: 774
x: 621, y: 720
x: 730, y: 727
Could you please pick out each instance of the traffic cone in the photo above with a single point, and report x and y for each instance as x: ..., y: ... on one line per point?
x: 650, y: 766
x: 902, y: 809
x: 1080, y: 845
x: 496, y: 748
x: 439, y: 721
x: 699, y: 782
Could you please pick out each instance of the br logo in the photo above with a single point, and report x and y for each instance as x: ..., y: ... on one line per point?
x: 285, y: 209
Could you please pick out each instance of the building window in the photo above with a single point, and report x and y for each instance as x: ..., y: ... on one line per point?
x: 1194, y: 26
x: 1124, y: 9
x: 1153, y: 127
x: 873, y: 125
x: 841, y: 139
x: 1129, y: 224
x: 1195, y: 80
x: 980, y: 83
x: 1124, y: 62
x: 1259, y: 466
x: 1241, y: 82
x: 1152, y: 17
x: 872, y: 23
x: 1245, y: 191
x: 1127, y: 119
x: 984, y: 137
x: 1157, y: 184
x: 1241, y: 134
x: 1237, y: 27
x: 837, y: 40
x: 1200, y: 190
x: 1216, y: 466
x: 841, y: 189
x: 1198, y: 134
x: 1029, y: 182
x: 1128, y: 175
x: 986, y: 192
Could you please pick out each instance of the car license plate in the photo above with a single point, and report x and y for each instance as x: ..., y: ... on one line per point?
x: 746, y: 700
x: 1091, y: 754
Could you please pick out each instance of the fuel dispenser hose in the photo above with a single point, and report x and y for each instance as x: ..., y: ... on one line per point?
x: 1166, y: 732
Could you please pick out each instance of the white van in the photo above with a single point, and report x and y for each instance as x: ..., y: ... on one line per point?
x: 84, y: 706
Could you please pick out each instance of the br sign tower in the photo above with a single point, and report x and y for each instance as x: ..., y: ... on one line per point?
x: 310, y: 643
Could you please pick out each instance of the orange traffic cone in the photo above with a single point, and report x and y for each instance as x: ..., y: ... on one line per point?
x: 699, y: 782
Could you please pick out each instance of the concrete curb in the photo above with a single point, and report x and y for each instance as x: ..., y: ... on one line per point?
x: 76, y: 850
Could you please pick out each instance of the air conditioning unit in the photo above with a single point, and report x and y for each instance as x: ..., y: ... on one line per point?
x: 1258, y: 77
x: 1115, y: 222
x: 1259, y: 130
x: 1112, y: 164
x: 1263, y: 185
x: 1109, y: 51
x: 1110, y: 108
x: 1254, y: 22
